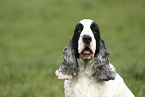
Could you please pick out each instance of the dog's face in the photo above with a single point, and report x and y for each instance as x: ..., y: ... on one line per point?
x: 86, y: 44
x: 86, y: 39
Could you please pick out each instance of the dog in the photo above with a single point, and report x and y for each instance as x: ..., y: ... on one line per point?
x: 86, y: 68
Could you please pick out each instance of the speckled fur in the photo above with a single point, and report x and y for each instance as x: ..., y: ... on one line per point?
x: 69, y: 64
x: 101, y: 64
x: 102, y: 71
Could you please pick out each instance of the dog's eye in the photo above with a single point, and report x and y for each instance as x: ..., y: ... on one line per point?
x: 94, y: 28
x: 79, y: 28
x: 79, y: 31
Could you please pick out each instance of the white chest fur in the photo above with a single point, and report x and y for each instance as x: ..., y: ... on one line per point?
x: 84, y: 85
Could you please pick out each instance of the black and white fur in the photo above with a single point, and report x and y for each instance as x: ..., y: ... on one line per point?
x: 86, y: 67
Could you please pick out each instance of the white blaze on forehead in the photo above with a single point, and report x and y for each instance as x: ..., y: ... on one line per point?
x: 86, y: 31
x: 86, y: 22
x: 86, y: 27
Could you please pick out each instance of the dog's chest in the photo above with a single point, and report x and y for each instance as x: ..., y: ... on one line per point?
x: 84, y: 85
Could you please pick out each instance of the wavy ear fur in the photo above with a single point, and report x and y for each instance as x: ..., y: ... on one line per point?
x: 103, y: 72
x: 69, y: 64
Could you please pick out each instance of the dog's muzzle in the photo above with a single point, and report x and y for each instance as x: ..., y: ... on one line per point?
x: 87, y: 39
x: 87, y: 52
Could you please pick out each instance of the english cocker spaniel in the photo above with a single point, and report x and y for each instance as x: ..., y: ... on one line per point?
x: 86, y: 67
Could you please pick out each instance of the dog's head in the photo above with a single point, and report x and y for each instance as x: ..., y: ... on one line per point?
x: 86, y: 39
x: 86, y: 44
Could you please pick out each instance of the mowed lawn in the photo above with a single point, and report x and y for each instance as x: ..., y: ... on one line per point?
x: 33, y: 34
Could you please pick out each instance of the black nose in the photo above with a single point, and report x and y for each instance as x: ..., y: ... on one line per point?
x: 87, y: 39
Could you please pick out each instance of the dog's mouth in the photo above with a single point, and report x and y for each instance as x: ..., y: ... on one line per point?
x: 86, y: 53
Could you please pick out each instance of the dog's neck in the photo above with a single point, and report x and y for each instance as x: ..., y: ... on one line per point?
x: 85, y: 67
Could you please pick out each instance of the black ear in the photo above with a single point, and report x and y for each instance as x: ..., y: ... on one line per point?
x: 69, y: 65
x: 77, y: 31
x: 96, y: 32
x: 103, y: 71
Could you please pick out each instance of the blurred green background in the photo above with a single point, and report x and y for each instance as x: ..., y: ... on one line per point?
x: 33, y: 34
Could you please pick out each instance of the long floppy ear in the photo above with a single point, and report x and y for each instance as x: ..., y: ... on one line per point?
x: 69, y: 66
x: 103, y: 71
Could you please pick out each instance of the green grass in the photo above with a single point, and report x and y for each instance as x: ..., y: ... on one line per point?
x: 33, y: 34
